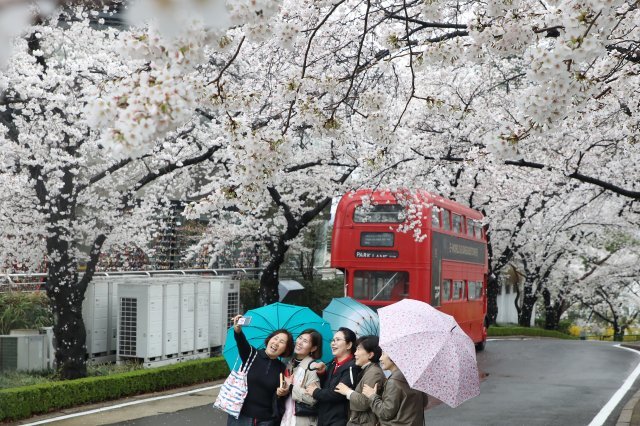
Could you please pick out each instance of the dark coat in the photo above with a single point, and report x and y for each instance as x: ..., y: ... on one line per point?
x: 333, y: 408
x: 262, y: 381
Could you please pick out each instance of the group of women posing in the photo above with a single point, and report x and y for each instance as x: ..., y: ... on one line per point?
x: 350, y: 390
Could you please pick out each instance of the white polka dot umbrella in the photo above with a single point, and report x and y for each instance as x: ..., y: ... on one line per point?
x: 431, y: 350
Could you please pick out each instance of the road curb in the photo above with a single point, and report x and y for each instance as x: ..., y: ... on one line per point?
x: 132, y: 407
x: 630, y: 415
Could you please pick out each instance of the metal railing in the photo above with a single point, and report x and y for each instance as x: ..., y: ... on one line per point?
x: 36, y: 281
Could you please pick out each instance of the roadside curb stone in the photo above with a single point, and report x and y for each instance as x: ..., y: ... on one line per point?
x: 630, y: 415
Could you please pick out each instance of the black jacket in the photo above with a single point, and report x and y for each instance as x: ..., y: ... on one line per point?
x: 333, y: 408
x: 263, y: 379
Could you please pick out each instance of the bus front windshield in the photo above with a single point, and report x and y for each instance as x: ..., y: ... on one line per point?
x: 381, y: 285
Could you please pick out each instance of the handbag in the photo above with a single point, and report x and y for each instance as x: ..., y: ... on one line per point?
x: 302, y: 409
x: 234, y: 389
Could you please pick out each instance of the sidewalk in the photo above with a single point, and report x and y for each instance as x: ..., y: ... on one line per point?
x: 131, y: 408
x: 630, y: 415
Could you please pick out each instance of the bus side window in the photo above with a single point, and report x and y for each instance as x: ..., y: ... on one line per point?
x: 458, y: 290
x: 478, y: 290
x: 446, y: 290
x: 472, y: 290
x: 457, y: 223
x: 435, y: 217
x: 446, y: 222
x: 470, y: 224
x: 477, y: 230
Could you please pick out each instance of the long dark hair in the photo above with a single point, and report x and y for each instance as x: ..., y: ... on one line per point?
x: 316, y: 340
x: 371, y: 344
x: 349, y: 337
x: 288, y: 350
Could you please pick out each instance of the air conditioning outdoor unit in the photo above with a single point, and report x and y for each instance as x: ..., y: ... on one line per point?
x: 24, y: 352
x: 160, y: 320
x: 224, y: 305
x: 100, y: 314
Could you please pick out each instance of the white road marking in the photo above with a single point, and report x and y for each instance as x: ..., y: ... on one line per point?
x: 606, y: 411
x: 125, y: 404
x: 509, y: 338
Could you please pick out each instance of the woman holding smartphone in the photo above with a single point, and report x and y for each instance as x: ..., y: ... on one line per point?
x: 333, y: 407
x: 367, y: 356
x: 263, y: 404
x: 399, y: 403
x: 299, y: 406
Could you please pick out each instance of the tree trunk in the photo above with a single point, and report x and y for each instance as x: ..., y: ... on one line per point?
x: 618, y: 332
x: 70, y: 335
x: 493, y: 289
x: 277, y: 250
x: 551, y: 310
x: 269, y: 281
x: 68, y: 326
x: 528, y: 302
x: 66, y: 293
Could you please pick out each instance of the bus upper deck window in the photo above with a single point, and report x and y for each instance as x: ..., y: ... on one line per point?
x: 446, y: 222
x: 379, y: 213
x: 477, y: 229
x: 470, y: 223
x: 435, y: 218
x: 457, y: 223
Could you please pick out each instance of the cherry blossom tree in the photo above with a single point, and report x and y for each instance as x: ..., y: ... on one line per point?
x: 65, y: 198
x: 258, y: 112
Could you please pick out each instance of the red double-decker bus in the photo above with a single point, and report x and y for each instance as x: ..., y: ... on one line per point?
x: 447, y: 268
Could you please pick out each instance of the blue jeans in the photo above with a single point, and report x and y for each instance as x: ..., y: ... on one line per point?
x: 249, y: 421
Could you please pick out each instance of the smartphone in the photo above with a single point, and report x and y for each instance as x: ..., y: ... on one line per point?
x: 244, y: 321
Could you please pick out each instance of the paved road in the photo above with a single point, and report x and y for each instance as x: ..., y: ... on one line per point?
x: 528, y: 382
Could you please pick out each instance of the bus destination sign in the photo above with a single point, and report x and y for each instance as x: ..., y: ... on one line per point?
x: 376, y: 239
x: 376, y: 254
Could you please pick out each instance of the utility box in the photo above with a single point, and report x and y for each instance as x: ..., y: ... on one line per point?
x: 158, y: 319
x: 100, y: 314
x: 163, y: 320
x: 224, y: 305
x: 27, y: 352
x: 201, y: 323
x: 171, y: 319
x: 187, y: 316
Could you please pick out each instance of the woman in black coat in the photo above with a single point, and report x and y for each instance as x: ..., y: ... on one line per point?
x: 333, y: 407
x: 263, y: 405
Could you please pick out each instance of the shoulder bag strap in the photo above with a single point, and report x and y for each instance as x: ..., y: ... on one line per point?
x: 250, y: 360
x: 245, y: 365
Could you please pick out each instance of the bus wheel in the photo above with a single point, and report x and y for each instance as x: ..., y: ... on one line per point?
x: 480, y: 346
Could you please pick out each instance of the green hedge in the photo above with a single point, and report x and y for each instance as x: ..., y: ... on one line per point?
x: 23, y: 402
x: 501, y: 331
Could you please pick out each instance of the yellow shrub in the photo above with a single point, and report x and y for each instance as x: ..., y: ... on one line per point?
x: 575, y: 330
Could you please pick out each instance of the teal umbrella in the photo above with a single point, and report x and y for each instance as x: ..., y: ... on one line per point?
x: 348, y: 312
x: 272, y: 317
